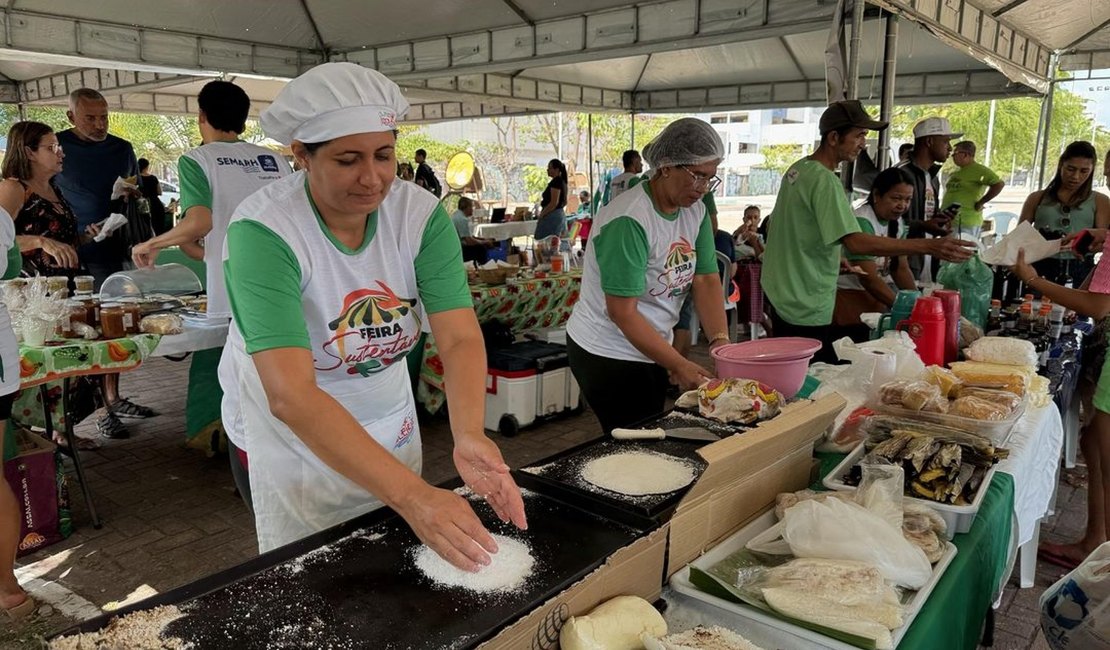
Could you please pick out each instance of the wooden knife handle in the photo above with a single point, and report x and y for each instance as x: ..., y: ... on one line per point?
x: 639, y: 434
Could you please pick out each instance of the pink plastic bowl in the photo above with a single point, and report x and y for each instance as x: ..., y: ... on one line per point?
x: 780, y: 363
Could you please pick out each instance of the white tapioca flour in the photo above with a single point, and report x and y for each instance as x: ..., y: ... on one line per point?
x: 508, y: 570
x: 638, y: 473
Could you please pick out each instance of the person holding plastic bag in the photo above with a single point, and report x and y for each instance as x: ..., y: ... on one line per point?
x: 1094, y: 439
x: 1075, y: 612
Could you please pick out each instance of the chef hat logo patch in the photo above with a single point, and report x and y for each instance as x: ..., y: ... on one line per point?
x: 389, y: 119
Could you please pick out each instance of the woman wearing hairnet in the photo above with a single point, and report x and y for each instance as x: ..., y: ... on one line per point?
x: 652, y: 245
x: 331, y: 272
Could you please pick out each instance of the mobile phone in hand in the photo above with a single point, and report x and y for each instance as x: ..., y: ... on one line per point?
x: 952, y: 210
x: 1082, y: 244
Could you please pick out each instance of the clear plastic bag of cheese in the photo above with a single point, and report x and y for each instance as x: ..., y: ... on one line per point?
x: 849, y: 557
x: 1075, y: 612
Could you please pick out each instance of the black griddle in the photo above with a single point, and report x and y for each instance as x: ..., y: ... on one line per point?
x: 359, y: 590
x: 559, y: 476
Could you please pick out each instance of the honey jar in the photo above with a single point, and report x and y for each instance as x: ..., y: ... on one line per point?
x: 92, y: 309
x: 111, y: 320
x: 132, y: 314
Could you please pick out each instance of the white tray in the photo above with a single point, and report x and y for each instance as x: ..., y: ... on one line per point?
x: 958, y: 518
x: 680, y: 582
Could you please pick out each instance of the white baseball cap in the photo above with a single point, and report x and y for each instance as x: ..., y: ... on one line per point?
x: 934, y: 126
x: 333, y: 100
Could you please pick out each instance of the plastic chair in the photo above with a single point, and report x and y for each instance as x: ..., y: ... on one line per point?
x: 724, y: 266
x: 1002, y: 222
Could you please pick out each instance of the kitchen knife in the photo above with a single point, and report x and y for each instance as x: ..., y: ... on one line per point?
x: 683, y: 433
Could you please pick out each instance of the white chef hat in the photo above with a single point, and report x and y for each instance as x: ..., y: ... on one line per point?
x: 333, y: 100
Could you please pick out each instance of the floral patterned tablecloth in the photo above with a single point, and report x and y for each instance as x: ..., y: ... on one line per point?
x: 73, y: 358
x: 523, y: 305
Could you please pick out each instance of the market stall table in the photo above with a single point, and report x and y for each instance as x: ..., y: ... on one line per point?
x: 1016, y: 500
x: 49, y: 364
x: 522, y: 305
x: 505, y: 230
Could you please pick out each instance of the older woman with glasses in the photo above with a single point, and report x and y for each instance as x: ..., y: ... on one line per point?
x: 652, y: 246
x: 1067, y: 206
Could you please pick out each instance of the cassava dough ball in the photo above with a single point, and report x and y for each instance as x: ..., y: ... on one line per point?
x: 615, y: 624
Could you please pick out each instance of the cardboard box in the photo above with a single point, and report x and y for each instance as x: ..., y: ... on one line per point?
x: 744, y: 475
x: 635, y: 570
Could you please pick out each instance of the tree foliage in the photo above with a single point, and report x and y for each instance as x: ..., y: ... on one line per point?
x: 612, y: 135
x: 779, y: 157
x: 1015, y: 127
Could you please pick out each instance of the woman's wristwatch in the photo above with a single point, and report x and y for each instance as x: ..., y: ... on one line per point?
x: 720, y: 336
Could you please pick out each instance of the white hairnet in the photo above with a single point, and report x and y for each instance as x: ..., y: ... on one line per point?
x: 686, y: 141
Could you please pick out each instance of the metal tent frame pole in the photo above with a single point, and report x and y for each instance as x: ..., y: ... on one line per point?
x: 890, y: 63
x: 1044, y: 128
x: 590, y: 140
x: 848, y: 169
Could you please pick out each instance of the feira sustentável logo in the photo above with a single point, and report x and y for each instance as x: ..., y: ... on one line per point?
x: 678, y: 269
x: 375, y: 330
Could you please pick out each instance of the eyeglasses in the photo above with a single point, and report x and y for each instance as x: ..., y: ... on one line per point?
x: 56, y: 147
x: 705, y: 183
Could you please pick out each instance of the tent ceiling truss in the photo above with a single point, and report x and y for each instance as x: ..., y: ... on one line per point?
x: 989, y: 39
x: 483, y: 65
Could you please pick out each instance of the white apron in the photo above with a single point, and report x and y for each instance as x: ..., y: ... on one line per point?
x: 296, y: 494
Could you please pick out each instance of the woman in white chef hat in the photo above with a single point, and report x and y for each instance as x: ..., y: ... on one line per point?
x: 331, y: 272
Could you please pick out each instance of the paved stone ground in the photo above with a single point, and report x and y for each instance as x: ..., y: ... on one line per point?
x: 171, y: 516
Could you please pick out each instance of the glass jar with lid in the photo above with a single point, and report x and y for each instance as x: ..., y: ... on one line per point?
x: 111, y: 320
x: 132, y: 314
x: 92, y: 309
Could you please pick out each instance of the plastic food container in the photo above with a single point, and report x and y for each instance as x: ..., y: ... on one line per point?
x: 912, y: 601
x: 780, y: 363
x: 958, y: 518
x: 997, y: 431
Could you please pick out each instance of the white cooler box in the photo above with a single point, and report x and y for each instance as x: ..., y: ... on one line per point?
x: 527, y: 381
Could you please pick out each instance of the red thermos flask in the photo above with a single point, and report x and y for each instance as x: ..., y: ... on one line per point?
x: 926, y: 328
x: 951, y: 301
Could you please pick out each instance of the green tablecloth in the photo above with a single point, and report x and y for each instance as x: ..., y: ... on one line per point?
x: 51, y: 364
x: 954, y: 614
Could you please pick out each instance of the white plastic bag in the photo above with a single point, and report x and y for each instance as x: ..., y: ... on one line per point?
x: 873, y: 363
x: 1075, y: 612
x: 839, y: 530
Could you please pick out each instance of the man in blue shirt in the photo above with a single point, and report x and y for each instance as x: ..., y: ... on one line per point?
x: 94, y: 159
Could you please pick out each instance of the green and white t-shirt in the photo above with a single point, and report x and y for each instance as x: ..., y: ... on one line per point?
x: 359, y: 311
x: 9, y: 346
x: 639, y: 252
x: 621, y: 183
x: 801, y: 262
x: 218, y: 176
x: 869, y: 224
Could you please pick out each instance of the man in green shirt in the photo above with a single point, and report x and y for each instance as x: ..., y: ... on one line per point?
x: 965, y: 186
x: 813, y: 219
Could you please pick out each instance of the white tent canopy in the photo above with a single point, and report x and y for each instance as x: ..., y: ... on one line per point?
x: 473, y: 58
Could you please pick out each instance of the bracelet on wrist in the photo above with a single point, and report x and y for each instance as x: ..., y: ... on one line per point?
x: 720, y: 336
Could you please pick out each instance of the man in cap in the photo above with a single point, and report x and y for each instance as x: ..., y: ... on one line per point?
x: 814, y: 221
x: 932, y: 144
x: 966, y: 186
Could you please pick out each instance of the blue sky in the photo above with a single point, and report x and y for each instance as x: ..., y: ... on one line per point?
x: 1097, y: 93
